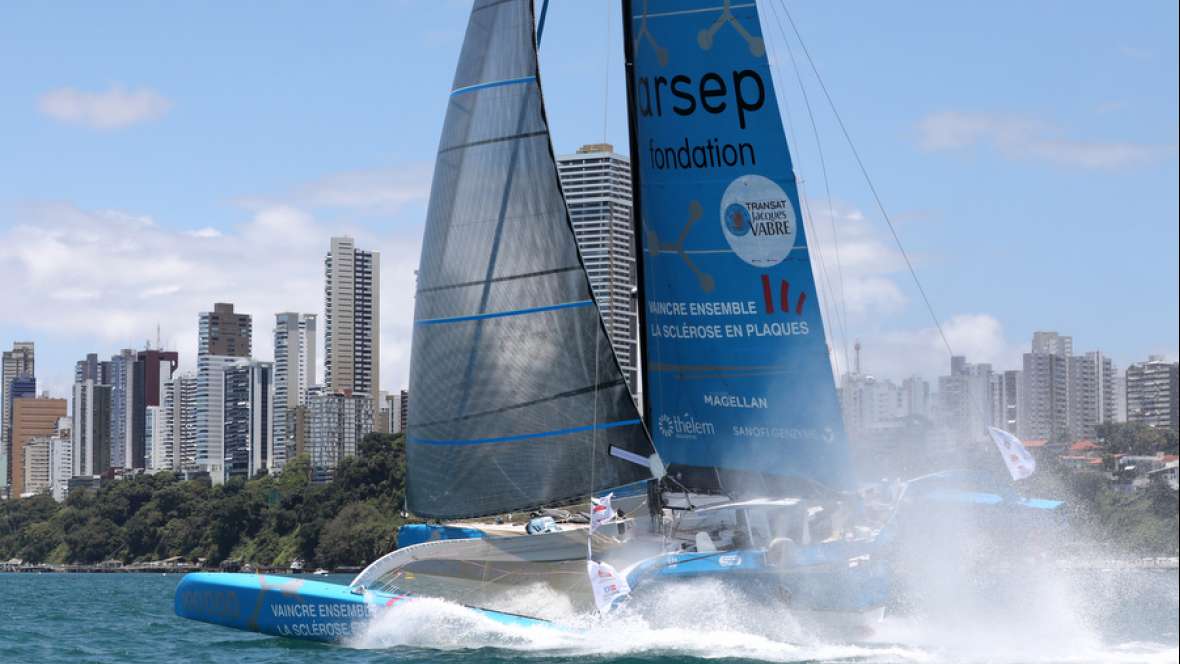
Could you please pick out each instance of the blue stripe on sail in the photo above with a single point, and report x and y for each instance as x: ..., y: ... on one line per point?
x: 525, y: 436
x: 501, y: 314
x: 492, y: 84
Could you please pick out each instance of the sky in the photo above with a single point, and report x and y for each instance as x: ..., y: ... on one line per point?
x: 156, y: 158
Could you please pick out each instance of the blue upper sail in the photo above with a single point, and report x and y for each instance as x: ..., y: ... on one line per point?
x: 738, y: 376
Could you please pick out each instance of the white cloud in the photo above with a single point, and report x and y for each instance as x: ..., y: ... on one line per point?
x: 921, y: 351
x: 113, y: 108
x: 381, y: 191
x: 111, y: 277
x: 1022, y: 138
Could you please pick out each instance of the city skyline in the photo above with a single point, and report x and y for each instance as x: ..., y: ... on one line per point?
x: 984, y: 195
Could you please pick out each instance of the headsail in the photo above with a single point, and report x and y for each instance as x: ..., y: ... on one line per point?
x: 517, y: 395
x: 738, y: 379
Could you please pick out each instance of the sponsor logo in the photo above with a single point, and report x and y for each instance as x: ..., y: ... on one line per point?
x: 730, y: 560
x: 825, y: 434
x: 735, y: 401
x: 686, y: 426
x: 758, y: 220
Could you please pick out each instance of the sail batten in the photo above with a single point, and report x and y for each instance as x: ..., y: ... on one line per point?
x: 516, y: 391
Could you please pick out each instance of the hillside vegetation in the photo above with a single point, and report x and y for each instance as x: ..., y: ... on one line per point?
x: 271, y: 520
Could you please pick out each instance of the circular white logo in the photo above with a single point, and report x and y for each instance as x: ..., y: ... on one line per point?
x: 758, y: 220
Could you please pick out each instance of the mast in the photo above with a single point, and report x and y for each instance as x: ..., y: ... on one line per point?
x: 636, y: 206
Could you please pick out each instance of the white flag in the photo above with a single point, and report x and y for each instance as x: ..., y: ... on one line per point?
x: 1020, y: 463
x: 600, y: 511
x: 607, y: 585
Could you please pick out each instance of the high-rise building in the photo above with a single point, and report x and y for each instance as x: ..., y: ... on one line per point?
x: 122, y: 407
x: 157, y: 439
x: 336, y: 423
x: 91, y: 430
x: 249, y: 406
x: 36, y: 466
x: 1044, y: 406
x: 294, y: 374
x: 352, y: 320
x: 224, y: 337
x: 180, y: 418
x: 151, y: 371
x: 403, y: 410
x: 93, y: 369
x: 1051, y: 343
x: 224, y: 332
x: 31, y: 417
x: 965, y: 399
x: 1092, y: 398
x: 17, y: 363
x: 48, y: 463
x: 1152, y: 393
x: 596, y: 183
x: 1006, y: 411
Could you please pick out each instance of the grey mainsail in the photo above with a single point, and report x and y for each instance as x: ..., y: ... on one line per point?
x: 517, y: 394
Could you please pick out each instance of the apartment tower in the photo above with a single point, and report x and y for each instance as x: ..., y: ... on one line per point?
x: 352, y: 320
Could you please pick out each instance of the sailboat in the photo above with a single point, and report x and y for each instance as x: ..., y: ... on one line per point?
x: 739, y: 458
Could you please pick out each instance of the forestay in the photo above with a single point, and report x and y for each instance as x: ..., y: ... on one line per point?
x: 517, y: 394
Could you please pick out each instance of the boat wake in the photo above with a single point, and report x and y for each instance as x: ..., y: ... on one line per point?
x: 679, y: 625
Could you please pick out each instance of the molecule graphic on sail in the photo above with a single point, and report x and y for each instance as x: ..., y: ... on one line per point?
x: 661, y: 52
x: 705, y: 37
x: 655, y: 247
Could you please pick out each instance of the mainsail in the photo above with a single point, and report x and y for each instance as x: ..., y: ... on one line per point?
x: 517, y: 394
x: 737, y: 379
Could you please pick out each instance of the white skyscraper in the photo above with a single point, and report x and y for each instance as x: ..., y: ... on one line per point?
x: 179, y: 402
x: 596, y: 183
x: 294, y: 373
x: 352, y: 320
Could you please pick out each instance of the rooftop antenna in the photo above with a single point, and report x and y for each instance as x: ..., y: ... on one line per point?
x: 158, y: 346
x: 856, y: 347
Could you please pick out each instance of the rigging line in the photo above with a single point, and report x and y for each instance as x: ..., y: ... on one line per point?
x: 839, y: 326
x: 843, y: 303
x: 872, y: 188
x: 541, y: 22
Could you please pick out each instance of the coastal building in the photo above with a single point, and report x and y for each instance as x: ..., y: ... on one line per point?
x: 294, y: 373
x: 965, y: 400
x: 158, y: 449
x: 151, y: 371
x: 48, y: 462
x: 352, y: 320
x: 336, y: 423
x: 1007, y: 394
x: 596, y: 183
x: 93, y: 369
x: 180, y: 416
x: 18, y: 363
x: 248, y: 418
x: 91, y: 439
x: 224, y: 337
x: 122, y: 408
x: 1152, y: 393
x: 32, y: 417
x: 1045, y: 396
x: 1092, y: 399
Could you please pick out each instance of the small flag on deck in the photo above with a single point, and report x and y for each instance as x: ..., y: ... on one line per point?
x: 600, y: 511
x: 607, y: 584
x: 1020, y: 463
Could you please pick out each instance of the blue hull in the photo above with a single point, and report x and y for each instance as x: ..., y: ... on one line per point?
x: 293, y: 607
x: 818, y: 585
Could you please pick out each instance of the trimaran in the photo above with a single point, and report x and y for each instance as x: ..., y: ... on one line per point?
x: 738, y: 469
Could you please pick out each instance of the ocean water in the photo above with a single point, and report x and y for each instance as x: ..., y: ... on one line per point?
x: 1114, y: 616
